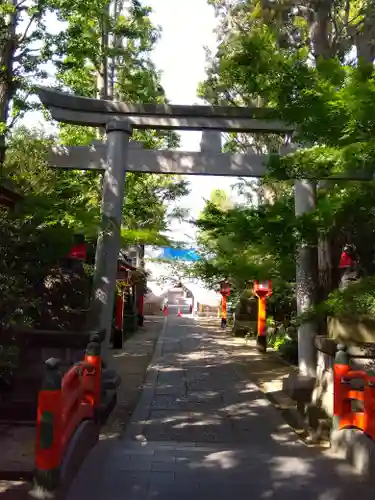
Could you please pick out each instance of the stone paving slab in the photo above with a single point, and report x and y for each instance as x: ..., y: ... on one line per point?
x: 131, y: 363
x: 135, y: 471
x: 14, y: 490
x: 223, y: 440
x: 17, y: 445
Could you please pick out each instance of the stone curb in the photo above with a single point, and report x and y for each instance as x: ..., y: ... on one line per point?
x: 141, y: 412
x: 283, y: 402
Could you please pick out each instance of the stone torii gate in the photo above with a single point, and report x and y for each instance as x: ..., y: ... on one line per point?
x: 118, y: 156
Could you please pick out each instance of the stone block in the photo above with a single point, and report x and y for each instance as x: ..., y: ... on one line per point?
x: 322, y: 396
x: 356, y: 448
x: 348, y: 330
x: 299, y: 387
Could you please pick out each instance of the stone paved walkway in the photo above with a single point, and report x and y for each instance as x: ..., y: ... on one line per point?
x: 202, y: 430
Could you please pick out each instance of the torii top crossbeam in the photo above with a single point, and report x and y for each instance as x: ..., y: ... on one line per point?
x: 85, y: 111
x: 78, y: 110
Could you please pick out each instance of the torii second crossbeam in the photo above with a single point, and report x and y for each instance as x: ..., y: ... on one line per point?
x: 211, y: 163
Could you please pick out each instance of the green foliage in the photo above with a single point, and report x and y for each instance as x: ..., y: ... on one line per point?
x: 23, y: 51
x: 52, y: 197
x: 357, y: 300
x: 72, y: 198
x: 281, y: 340
x: 248, y: 243
x: 264, y: 58
x: 102, y: 49
x: 28, y: 252
x: 106, y: 52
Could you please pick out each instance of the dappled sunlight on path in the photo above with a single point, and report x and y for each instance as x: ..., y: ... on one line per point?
x: 202, y: 429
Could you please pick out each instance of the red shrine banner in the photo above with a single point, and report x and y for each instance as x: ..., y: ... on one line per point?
x: 78, y: 252
x: 345, y: 260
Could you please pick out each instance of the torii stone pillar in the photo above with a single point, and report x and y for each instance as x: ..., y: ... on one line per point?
x: 306, y: 279
x: 109, y: 243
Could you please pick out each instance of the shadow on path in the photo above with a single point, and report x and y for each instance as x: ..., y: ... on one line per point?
x: 202, y: 429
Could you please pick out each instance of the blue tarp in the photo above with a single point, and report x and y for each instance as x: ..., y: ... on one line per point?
x: 179, y: 254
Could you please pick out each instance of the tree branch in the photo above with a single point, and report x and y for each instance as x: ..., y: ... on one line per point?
x: 23, y: 37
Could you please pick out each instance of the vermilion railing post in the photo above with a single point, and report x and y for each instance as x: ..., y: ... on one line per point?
x: 48, y: 452
x: 369, y: 406
x: 93, y: 357
x: 341, y: 367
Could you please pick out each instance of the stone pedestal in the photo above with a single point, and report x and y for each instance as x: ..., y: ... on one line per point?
x: 299, y: 387
x: 246, y: 316
x: 356, y: 448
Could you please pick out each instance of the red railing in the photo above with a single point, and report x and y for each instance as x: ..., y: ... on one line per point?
x: 354, y: 407
x: 64, y: 403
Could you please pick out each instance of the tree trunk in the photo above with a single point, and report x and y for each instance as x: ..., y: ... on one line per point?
x: 102, y: 74
x: 7, y: 49
x: 102, y: 70
x: 365, y: 39
x: 319, y: 28
x: 114, y: 42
